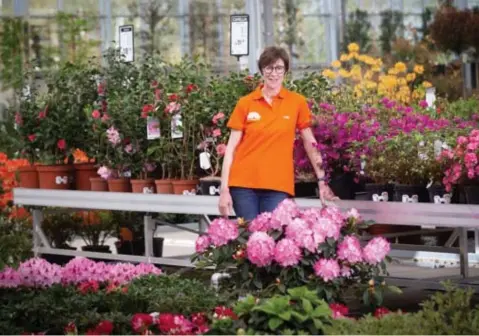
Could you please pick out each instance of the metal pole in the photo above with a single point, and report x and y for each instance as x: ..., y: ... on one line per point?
x: 149, y: 228
x: 252, y: 8
x: 462, y: 4
x: 268, y: 23
x: 184, y: 27
x: 463, y: 253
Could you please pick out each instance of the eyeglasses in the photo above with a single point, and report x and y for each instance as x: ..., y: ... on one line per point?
x: 279, y: 69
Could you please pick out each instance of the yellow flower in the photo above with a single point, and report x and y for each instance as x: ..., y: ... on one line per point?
x: 353, y: 47
x: 378, y: 62
x: 344, y: 58
x: 328, y: 73
x: 419, y: 69
x: 400, y: 67
x: 336, y: 64
x: 376, y: 68
x: 368, y: 75
x: 371, y: 85
x: 369, y: 60
x: 410, y: 77
x: 393, y: 71
x: 402, y: 81
x: 344, y: 73
x: 426, y: 84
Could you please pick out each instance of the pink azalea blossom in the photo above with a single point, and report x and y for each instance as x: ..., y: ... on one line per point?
x: 327, y: 269
x: 260, y: 249
x: 222, y: 230
x: 376, y: 250
x: 286, y: 253
x: 113, y: 136
x: 104, y: 172
x: 350, y: 250
x: 202, y: 244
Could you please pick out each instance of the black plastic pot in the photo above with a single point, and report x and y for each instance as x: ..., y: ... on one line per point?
x: 411, y: 193
x: 306, y: 189
x: 378, y: 192
x: 472, y: 194
x: 210, y: 187
x: 439, y: 195
x: 158, y: 246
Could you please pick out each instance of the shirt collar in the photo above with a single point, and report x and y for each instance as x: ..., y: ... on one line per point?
x: 258, y: 94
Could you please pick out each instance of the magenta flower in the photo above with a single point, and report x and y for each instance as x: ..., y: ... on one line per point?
x: 202, y: 244
x: 260, y: 249
x: 286, y: 253
x: 222, y: 230
x: 350, y: 250
x: 376, y: 250
x: 260, y: 223
x: 327, y: 269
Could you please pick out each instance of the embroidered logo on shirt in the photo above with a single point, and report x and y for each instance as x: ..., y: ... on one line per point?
x: 253, y: 116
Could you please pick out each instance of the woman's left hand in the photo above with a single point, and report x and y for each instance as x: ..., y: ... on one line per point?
x: 326, y: 194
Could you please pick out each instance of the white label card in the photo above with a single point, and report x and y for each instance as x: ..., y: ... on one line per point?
x: 153, y: 128
x: 127, y: 43
x: 176, y: 127
x: 239, y: 35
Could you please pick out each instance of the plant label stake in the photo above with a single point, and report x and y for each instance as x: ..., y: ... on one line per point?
x: 176, y: 125
x: 127, y: 44
x: 239, y: 33
x: 205, y: 162
x: 153, y: 128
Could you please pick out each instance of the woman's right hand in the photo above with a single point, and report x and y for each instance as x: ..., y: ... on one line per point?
x: 225, y: 203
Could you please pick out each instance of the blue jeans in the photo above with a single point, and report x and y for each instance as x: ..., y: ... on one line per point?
x: 248, y: 203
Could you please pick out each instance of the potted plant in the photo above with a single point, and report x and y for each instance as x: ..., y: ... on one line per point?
x: 130, y: 232
x: 60, y: 228
x: 96, y: 227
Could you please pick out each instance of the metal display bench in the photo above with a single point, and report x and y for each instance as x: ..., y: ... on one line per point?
x: 460, y: 217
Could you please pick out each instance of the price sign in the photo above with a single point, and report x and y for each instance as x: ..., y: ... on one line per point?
x: 239, y: 35
x: 127, y: 46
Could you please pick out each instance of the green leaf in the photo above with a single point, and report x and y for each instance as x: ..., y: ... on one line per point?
x: 318, y: 324
x: 274, y: 323
x: 307, y: 306
x: 300, y: 317
x: 395, y: 289
x: 366, y: 297
x: 285, y: 315
x: 322, y: 310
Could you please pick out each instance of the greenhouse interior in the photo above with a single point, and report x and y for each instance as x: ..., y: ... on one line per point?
x: 239, y: 167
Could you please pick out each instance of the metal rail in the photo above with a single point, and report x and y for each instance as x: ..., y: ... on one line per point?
x: 461, y: 217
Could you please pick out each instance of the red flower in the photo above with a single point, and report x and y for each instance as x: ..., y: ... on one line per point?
x: 101, y: 88
x: 147, y: 109
x: 43, y: 114
x: 202, y: 329
x: 157, y: 94
x: 61, y: 144
x: 71, y: 329
x: 191, y: 88
x: 339, y: 310
x: 104, y: 106
x: 32, y: 137
x: 105, y: 327
x: 154, y: 83
x: 166, y: 322
x: 222, y: 312
x: 198, y: 319
x: 381, y: 311
x: 95, y: 114
x: 173, y: 97
x: 88, y: 286
x: 141, y: 322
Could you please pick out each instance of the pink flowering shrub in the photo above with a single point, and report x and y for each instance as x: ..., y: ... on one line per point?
x: 37, y: 272
x: 291, y: 247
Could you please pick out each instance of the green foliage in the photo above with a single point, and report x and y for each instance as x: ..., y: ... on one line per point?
x: 391, y: 27
x: 15, y: 241
x: 299, y: 312
x: 60, y: 227
x: 445, y: 313
x: 39, y: 310
x: 358, y: 30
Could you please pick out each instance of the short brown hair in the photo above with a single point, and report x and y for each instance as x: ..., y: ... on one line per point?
x: 271, y: 55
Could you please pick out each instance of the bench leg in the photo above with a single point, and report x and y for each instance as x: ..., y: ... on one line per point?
x: 463, y: 253
x: 149, y: 227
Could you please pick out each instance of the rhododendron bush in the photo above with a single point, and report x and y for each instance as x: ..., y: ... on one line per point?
x: 291, y: 247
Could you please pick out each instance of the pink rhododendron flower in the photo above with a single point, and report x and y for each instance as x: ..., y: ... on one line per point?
x: 339, y: 310
x: 334, y: 214
x: 285, y: 212
x: 376, y: 250
x: 104, y: 172
x: 173, y: 107
x: 301, y: 234
x: 286, y: 253
x: 350, y: 250
x: 202, y: 244
x: 222, y: 230
x: 260, y: 249
x: 353, y: 213
x: 216, y: 132
x: 10, y: 278
x: 345, y: 271
x: 260, y: 223
x: 327, y: 269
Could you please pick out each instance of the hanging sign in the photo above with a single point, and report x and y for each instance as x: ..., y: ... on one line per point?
x: 239, y: 35
x: 127, y: 46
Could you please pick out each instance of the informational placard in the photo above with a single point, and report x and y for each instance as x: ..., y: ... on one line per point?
x: 176, y: 127
x: 153, y: 128
x: 127, y: 44
x: 239, y: 35
x: 431, y: 97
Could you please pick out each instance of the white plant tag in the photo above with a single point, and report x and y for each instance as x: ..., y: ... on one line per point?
x: 176, y: 124
x: 152, y: 128
x: 205, y: 162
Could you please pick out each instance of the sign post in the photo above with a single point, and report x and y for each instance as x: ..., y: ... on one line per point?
x: 239, y: 35
x: 127, y: 44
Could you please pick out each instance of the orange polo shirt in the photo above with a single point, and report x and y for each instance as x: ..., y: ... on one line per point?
x: 264, y: 157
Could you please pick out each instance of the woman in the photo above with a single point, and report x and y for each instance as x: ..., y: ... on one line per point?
x: 258, y: 170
